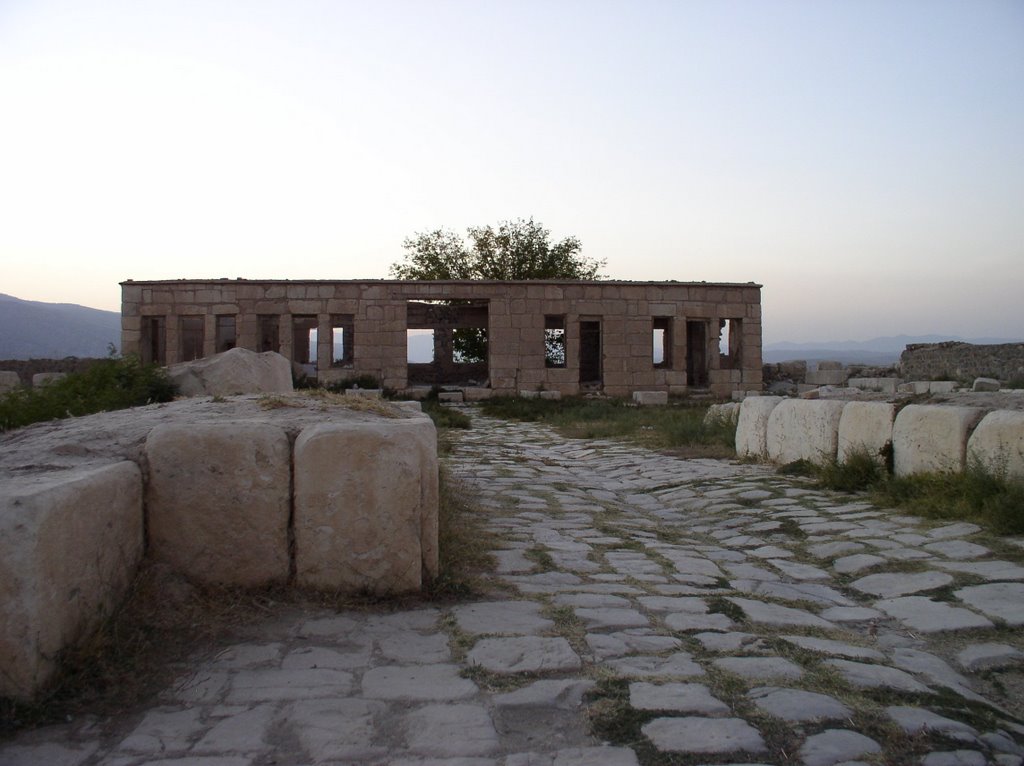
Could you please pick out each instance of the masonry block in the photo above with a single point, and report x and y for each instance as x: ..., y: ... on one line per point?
x: 932, y: 438
x: 827, y: 377
x: 865, y: 426
x: 722, y: 414
x: 885, y: 385
x: 217, y: 501
x: 9, y: 381
x: 366, y: 505
x: 752, y: 425
x: 800, y: 429
x: 997, y: 444
x: 650, y: 398
x: 70, y: 543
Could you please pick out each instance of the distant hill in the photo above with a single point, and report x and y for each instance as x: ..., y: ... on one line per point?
x: 35, y: 330
x: 877, y: 351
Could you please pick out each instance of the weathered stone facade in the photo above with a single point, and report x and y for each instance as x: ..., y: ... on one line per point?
x: 618, y: 337
x: 963, y: 361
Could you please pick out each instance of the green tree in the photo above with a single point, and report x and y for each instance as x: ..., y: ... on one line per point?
x: 515, y: 250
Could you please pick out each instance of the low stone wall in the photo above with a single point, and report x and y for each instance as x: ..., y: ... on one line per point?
x: 27, y: 368
x: 329, y: 492
x: 963, y: 361
x: 923, y: 438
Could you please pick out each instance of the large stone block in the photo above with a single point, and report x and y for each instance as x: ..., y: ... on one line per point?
x: 929, y: 438
x: 722, y: 414
x: 865, y: 426
x: 650, y: 398
x: 218, y: 500
x: 800, y: 429
x: 366, y: 505
x: 238, y: 371
x: 752, y: 425
x: 885, y: 385
x: 41, y: 379
x: 827, y: 377
x: 9, y: 381
x: 997, y: 444
x: 70, y: 542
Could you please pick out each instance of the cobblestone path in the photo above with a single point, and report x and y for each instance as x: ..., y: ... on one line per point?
x: 648, y: 610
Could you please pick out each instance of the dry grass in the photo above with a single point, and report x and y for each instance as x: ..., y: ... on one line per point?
x: 162, y: 621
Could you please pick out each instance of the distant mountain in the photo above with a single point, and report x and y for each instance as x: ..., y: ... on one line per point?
x: 35, y: 330
x: 877, y: 351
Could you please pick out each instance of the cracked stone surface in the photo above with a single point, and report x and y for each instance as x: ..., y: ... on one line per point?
x: 691, y: 597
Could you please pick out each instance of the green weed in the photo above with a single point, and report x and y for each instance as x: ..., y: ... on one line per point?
x: 676, y: 427
x: 109, y: 384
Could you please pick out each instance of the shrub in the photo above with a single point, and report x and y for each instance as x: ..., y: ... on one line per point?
x: 109, y: 384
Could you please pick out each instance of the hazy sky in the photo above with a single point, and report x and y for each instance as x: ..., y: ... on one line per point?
x: 863, y: 160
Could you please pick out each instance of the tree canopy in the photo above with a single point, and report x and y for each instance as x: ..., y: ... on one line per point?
x: 519, y: 249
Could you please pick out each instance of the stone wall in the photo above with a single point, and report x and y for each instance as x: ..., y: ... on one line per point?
x: 922, y: 438
x: 963, y: 361
x: 26, y: 368
x: 329, y: 493
x: 162, y: 321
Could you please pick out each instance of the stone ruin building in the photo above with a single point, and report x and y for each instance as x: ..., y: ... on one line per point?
x: 488, y: 337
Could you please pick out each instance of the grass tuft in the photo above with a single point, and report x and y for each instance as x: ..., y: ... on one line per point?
x: 464, y: 545
x: 677, y: 427
x: 975, y: 494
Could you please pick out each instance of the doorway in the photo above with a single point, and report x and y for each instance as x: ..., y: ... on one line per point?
x: 696, y: 354
x: 590, y: 352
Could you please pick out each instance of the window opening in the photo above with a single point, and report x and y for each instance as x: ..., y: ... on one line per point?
x: 269, y: 328
x: 225, y: 332
x: 304, y: 338
x: 469, y: 345
x: 554, y: 341
x: 661, y: 341
x: 696, y: 353
x: 419, y: 346
x: 729, y: 343
x: 447, y: 342
x: 154, y: 340
x: 590, y: 353
x: 341, y: 339
x: 192, y: 338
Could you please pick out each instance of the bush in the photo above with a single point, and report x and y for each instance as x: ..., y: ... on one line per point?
x: 109, y: 384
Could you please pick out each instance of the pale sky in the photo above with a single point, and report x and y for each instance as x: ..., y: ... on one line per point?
x: 863, y: 160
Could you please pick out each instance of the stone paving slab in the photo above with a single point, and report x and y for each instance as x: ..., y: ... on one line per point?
x: 690, y: 594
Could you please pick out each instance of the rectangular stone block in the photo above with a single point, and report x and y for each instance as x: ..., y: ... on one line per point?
x: 822, y: 377
x: 70, y: 543
x: 998, y: 443
x: 752, y: 425
x: 865, y: 426
x: 885, y: 385
x: 932, y: 438
x: 800, y: 429
x: 366, y: 505
x: 218, y: 500
x: 649, y: 398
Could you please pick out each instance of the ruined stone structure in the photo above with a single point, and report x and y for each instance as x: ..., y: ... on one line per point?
x: 490, y: 337
x: 963, y: 361
x: 297, y: 490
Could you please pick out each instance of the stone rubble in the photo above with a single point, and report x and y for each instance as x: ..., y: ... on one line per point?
x: 701, y: 609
